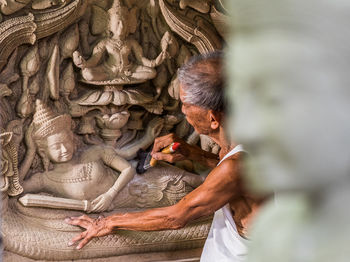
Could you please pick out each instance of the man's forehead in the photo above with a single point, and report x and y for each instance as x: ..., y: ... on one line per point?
x: 182, y: 95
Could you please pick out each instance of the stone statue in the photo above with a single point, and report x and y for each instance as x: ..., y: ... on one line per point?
x: 56, y: 150
x: 81, y: 176
x: 118, y: 46
x: 291, y: 101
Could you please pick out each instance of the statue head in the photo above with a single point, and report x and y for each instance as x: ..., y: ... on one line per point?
x: 52, y: 135
x: 118, y: 16
x: 290, y: 88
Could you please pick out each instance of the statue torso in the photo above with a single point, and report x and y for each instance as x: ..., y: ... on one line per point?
x: 85, y: 178
x: 118, y: 55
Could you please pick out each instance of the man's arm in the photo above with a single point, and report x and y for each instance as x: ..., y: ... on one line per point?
x: 219, y: 187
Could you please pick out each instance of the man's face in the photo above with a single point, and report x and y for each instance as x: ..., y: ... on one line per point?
x: 60, y: 147
x: 289, y: 111
x: 195, y: 115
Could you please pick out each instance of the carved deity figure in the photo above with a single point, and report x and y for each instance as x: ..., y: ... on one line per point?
x: 110, y: 59
x: 88, y: 174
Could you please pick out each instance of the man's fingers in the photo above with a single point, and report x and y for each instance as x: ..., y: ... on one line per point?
x: 161, y: 142
x: 83, y: 221
x: 77, y: 238
x: 168, y: 157
x: 84, y: 241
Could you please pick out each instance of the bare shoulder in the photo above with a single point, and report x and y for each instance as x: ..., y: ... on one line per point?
x: 232, y: 162
x: 93, y: 152
x: 230, y: 168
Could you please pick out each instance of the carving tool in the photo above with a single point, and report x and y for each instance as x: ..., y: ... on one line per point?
x: 147, y: 161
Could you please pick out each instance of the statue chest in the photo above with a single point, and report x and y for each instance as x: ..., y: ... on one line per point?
x: 80, y: 181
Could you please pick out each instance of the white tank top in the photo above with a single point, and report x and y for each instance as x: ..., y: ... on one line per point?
x: 223, y: 242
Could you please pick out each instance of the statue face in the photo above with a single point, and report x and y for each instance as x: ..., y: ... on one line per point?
x: 118, y: 27
x: 60, y: 147
x: 290, y: 110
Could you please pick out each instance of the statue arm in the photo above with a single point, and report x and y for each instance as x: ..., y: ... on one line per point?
x: 153, y: 130
x: 34, y: 184
x: 118, y: 163
x: 97, y: 54
x: 111, y: 159
x: 130, y: 151
x: 95, y: 58
x: 145, y: 61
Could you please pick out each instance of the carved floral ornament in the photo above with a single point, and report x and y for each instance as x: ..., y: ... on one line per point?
x: 115, y: 89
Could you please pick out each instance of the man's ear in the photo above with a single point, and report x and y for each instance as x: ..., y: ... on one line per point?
x: 214, y: 119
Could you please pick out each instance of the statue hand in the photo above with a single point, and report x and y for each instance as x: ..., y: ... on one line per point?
x: 78, y: 60
x: 154, y: 127
x: 102, y: 202
x: 161, y: 57
x: 94, y: 228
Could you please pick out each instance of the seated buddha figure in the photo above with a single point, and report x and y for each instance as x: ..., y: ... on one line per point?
x: 110, y: 59
x: 87, y: 174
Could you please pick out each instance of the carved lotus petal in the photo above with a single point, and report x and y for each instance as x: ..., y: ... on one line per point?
x: 153, y: 8
x: 30, y: 62
x: 117, y: 120
x: 137, y: 97
x: 34, y: 87
x: 68, y: 79
x: 52, y: 73
x: 69, y: 42
x: 96, y: 98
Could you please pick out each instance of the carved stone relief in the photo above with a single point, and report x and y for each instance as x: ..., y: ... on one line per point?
x: 83, y: 86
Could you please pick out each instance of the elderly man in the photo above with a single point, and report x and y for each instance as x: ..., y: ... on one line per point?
x: 202, y: 96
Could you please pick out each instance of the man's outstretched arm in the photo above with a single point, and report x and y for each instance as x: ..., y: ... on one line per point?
x: 219, y: 187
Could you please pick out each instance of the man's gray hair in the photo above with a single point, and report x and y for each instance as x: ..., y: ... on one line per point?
x: 201, y: 79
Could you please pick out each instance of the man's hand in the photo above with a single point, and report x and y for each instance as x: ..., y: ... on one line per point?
x: 94, y: 228
x: 185, y: 151
x: 181, y: 153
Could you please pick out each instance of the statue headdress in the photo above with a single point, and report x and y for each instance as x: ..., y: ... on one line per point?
x: 47, y: 123
x: 118, y: 9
